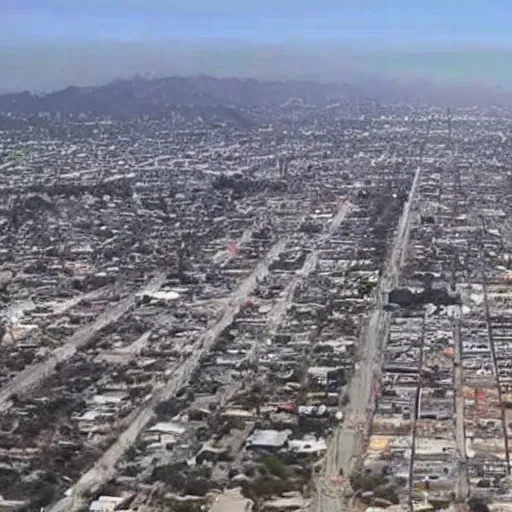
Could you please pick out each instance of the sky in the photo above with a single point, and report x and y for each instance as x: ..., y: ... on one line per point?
x: 49, y: 43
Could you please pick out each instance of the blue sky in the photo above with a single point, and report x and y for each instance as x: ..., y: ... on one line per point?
x: 396, y: 21
x: 53, y: 42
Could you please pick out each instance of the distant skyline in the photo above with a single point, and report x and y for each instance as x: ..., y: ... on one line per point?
x: 42, y: 41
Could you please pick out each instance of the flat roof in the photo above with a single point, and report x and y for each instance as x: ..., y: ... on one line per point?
x: 232, y: 501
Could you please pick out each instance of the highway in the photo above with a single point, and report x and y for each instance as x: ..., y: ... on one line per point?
x: 104, y: 468
x: 309, y: 265
x: 404, y: 228
x: 462, y: 486
x: 32, y: 376
x: 345, y: 447
x: 280, y: 307
x: 15, y: 310
x: 224, y: 257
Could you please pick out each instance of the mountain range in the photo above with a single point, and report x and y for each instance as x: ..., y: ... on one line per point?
x: 140, y: 96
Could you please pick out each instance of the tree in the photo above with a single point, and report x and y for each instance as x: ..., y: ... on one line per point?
x: 275, y: 466
x: 387, y: 492
x: 187, y: 506
x: 362, y: 482
x: 477, y: 505
x: 44, y: 495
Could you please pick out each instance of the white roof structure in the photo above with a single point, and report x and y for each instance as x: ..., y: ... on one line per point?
x: 269, y: 438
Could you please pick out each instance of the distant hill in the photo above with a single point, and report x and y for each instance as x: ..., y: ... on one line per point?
x: 225, y: 98
x: 128, y: 98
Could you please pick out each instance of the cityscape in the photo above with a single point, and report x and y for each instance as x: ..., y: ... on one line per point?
x: 307, y: 311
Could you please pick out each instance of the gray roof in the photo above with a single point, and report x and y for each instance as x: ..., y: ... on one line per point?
x: 269, y: 438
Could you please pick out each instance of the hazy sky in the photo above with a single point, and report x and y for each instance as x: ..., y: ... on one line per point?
x: 51, y: 42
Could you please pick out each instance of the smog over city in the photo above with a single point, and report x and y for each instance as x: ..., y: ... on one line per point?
x: 255, y: 256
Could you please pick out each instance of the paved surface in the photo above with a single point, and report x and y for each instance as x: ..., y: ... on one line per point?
x: 61, y: 307
x: 345, y: 447
x: 30, y: 378
x: 462, y: 486
x: 279, y: 311
x: 224, y: 257
x: 15, y: 311
x: 104, y: 469
x: 404, y: 228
